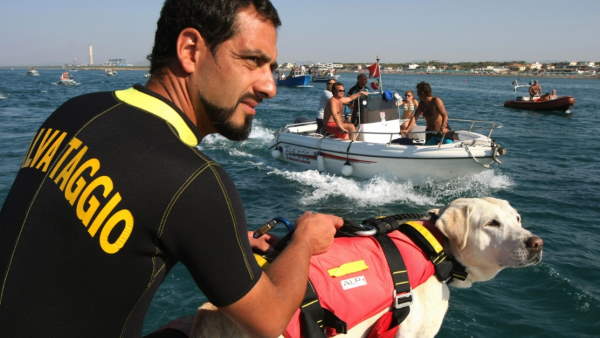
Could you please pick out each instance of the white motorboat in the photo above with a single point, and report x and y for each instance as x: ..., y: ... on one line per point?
x: 110, y: 72
x: 33, y: 72
x: 381, y: 151
x: 66, y: 80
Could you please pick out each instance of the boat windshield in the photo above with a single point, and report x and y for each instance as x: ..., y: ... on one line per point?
x: 376, y: 108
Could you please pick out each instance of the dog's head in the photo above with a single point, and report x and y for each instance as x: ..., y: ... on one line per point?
x: 486, y: 236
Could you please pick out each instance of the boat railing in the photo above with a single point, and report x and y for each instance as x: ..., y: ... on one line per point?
x: 476, y: 126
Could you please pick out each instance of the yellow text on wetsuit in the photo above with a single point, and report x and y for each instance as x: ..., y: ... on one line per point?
x: 92, y: 195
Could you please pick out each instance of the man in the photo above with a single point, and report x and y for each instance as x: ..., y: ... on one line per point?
x: 359, y: 86
x: 535, y: 89
x: 436, y: 116
x: 333, y: 115
x: 113, y: 191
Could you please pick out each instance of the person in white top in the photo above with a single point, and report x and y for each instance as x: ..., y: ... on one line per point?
x: 325, y: 96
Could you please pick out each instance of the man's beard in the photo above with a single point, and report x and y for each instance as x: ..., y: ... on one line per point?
x: 220, y: 116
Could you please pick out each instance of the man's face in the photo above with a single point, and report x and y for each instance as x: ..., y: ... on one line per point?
x: 362, y: 81
x: 339, y: 91
x: 228, y: 85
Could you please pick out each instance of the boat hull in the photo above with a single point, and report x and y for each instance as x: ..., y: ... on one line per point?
x: 417, y: 163
x: 561, y: 104
x: 295, y: 81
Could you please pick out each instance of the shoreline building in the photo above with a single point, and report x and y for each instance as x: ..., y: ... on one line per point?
x: 117, y: 62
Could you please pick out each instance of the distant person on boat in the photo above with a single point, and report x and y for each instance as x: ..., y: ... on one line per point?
x: 549, y: 96
x: 334, y: 110
x: 436, y: 117
x: 325, y: 96
x: 359, y: 86
x: 535, y: 90
x: 107, y: 201
x: 65, y: 76
x: 409, y: 104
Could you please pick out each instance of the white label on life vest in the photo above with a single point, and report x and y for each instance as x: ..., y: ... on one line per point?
x: 353, y: 282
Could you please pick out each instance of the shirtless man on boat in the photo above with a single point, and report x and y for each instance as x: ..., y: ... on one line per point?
x: 436, y: 116
x: 333, y: 116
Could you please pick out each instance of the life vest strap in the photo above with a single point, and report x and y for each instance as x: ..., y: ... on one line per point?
x: 314, y: 319
x: 402, y: 296
x: 446, y: 267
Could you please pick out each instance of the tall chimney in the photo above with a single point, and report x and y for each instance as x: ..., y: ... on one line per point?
x: 91, y: 54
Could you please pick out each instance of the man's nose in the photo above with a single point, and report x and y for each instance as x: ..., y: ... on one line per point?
x: 265, y: 86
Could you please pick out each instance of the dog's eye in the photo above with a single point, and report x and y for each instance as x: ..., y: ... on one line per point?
x: 519, y: 218
x: 493, y: 223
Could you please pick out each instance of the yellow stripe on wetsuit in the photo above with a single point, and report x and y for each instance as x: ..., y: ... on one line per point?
x: 161, y: 109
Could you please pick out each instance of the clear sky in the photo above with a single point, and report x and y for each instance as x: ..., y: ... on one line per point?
x: 55, y: 32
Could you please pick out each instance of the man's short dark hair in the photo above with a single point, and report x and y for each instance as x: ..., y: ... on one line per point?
x: 214, y: 19
x: 424, y: 88
x: 335, y: 86
x: 361, y: 75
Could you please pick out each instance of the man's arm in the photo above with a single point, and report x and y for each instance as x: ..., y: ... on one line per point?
x: 413, y: 119
x: 206, y: 230
x: 348, y: 99
x: 439, y: 104
x: 266, y: 310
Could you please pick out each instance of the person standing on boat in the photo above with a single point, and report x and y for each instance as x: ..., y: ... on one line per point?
x: 436, y: 117
x: 65, y: 76
x: 535, y: 90
x: 113, y: 191
x: 409, y: 104
x: 334, y: 110
x: 325, y: 96
x: 359, y: 86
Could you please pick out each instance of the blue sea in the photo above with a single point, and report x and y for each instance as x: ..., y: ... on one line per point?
x: 551, y: 174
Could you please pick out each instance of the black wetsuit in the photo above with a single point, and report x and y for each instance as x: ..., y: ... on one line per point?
x: 357, y: 102
x: 111, y: 194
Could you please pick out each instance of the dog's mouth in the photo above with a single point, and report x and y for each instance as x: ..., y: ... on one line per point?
x: 522, y: 258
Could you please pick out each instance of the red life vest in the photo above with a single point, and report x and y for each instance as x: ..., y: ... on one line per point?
x: 353, y: 281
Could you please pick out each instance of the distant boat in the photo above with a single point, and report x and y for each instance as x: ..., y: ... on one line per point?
x: 546, y: 102
x: 33, y: 72
x: 323, y: 72
x: 297, y: 77
x: 66, y: 80
x: 110, y: 72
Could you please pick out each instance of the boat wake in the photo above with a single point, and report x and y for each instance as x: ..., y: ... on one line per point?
x: 380, y: 191
x: 2, y: 96
x: 260, y: 137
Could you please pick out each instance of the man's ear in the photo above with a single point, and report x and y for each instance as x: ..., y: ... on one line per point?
x: 191, y: 48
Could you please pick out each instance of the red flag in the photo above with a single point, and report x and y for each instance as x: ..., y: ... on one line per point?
x: 373, y: 70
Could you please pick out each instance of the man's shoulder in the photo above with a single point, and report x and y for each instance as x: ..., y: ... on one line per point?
x: 354, y: 89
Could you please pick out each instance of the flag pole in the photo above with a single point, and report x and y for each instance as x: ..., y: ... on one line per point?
x: 379, y: 70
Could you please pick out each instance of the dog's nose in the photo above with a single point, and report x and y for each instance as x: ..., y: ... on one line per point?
x: 534, y: 243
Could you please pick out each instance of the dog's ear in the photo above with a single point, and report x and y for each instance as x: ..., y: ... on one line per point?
x: 435, y: 212
x: 209, y: 322
x: 454, y: 224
